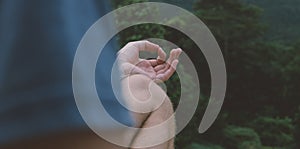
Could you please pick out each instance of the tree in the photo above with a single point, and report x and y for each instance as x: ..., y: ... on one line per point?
x: 263, y: 81
x: 241, y: 138
x: 277, y: 132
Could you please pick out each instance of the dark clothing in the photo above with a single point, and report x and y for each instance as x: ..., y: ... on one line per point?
x: 38, y: 41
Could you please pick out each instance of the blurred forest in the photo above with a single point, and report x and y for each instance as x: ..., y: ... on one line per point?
x: 260, y: 41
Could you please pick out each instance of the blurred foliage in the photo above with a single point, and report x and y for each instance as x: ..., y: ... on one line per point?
x: 282, y: 17
x: 297, y: 128
x: 201, y: 146
x: 137, y: 32
x: 274, y: 131
x: 241, y: 138
x: 262, y: 106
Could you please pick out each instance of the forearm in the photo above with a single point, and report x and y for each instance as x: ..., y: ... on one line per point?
x: 151, y: 107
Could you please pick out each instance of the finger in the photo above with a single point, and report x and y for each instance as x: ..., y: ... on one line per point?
x: 151, y: 47
x: 178, y: 52
x: 128, y: 69
x: 167, y: 74
x: 159, y: 67
x: 171, y: 57
x: 169, y: 61
x: 145, y: 45
x: 153, y: 62
x: 164, y: 69
x: 174, y: 54
x: 160, y: 61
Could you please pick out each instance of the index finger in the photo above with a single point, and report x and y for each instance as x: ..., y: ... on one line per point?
x: 145, y: 45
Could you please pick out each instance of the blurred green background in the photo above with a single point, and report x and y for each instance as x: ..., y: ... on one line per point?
x: 260, y: 41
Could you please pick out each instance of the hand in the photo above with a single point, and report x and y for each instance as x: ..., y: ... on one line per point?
x: 156, y: 69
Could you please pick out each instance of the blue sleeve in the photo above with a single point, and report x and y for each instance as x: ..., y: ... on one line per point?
x: 38, y: 40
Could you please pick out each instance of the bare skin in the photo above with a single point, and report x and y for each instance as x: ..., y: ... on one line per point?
x: 155, y: 69
x: 139, y: 88
x: 143, y: 75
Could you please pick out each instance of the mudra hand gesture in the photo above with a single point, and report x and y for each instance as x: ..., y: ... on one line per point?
x: 157, y: 69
